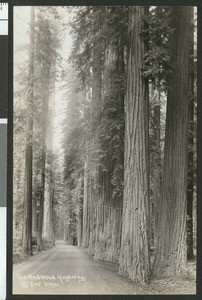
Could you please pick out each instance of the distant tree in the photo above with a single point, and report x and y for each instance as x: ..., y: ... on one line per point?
x: 98, y: 56
x: 74, y: 150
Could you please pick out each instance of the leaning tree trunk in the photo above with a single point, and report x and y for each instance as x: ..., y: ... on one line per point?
x: 171, y: 253
x: 27, y: 225
x: 134, y: 256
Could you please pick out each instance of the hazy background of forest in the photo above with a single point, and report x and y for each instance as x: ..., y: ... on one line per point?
x: 105, y: 135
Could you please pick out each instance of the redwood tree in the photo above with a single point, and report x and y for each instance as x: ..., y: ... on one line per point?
x: 44, y: 64
x: 171, y: 253
x: 190, y: 162
x: 27, y: 225
x: 134, y: 256
x: 111, y: 143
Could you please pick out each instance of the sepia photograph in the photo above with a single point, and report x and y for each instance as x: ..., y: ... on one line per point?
x: 104, y: 150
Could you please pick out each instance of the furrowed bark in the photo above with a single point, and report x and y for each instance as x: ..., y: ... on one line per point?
x: 134, y: 257
x: 171, y: 254
x: 27, y: 226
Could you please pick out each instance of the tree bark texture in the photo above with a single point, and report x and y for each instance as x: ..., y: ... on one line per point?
x: 134, y: 256
x: 94, y: 143
x: 80, y: 228
x: 42, y: 191
x: 110, y: 200
x: 171, y: 254
x: 69, y: 229
x: 190, y: 185
x: 157, y: 165
x: 48, y: 232
x: 27, y: 226
x: 18, y: 191
x: 46, y: 97
x: 34, y: 223
x: 86, y: 202
x: 190, y: 167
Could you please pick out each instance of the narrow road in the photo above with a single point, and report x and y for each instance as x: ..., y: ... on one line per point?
x: 67, y: 269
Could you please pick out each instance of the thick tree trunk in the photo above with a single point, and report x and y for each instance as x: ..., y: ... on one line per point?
x: 27, y: 225
x: 171, y: 253
x: 45, y: 73
x: 110, y: 201
x: 48, y: 232
x: 190, y: 167
x: 18, y: 191
x: 46, y: 97
x: 94, y: 194
x: 157, y: 166
x: 134, y: 257
x: 87, y: 184
x: 190, y: 186
x: 96, y: 105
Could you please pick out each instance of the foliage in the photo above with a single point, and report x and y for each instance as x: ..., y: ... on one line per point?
x: 157, y: 35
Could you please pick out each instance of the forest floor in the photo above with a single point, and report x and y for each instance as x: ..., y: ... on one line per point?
x: 66, y: 269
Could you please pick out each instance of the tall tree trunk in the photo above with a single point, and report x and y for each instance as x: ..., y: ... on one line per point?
x: 190, y: 186
x: 34, y: 200
x: 190, y: 167
x: 48, y: 232
x: 52, y: 228
x: 80, y: 228
x: 69, y: 229
x: 86, y: 202
x: 46, y: 97
x: 134, y: 257
x: 110, y: 201
x: 41, y: 205
x: 157, y: 166
x: 27, y: 226
x: 171, y: 253
x: 34, y: 225
x: 87, y: 193
x: 96, y: 105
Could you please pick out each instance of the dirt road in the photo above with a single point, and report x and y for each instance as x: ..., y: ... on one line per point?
x: 67, y: 270
x: 64, y: 270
